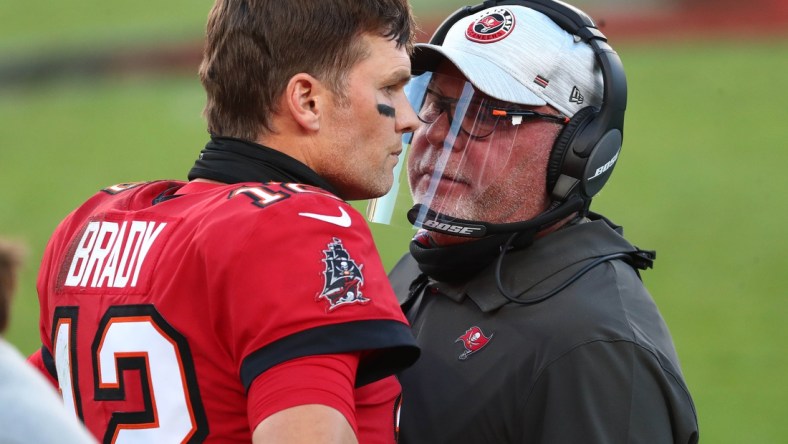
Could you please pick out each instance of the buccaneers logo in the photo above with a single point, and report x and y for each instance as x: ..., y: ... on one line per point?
x: 473, y: 340
x: 343, y: 278
x: 492, y: 27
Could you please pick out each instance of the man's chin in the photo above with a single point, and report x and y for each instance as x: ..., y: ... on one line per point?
x: 378, y: 189
x: 450, y: 209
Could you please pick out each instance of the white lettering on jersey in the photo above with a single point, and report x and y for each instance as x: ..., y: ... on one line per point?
x: 112, y: 253
x: 262, y: 195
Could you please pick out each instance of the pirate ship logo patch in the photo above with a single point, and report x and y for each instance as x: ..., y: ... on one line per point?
x: 491, y: 27
x: 473, y: 340
x: 343, y: 278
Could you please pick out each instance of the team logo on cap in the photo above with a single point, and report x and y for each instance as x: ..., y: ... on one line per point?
x: 491, y: 27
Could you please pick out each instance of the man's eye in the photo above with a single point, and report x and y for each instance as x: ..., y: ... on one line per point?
x: 392, y: 89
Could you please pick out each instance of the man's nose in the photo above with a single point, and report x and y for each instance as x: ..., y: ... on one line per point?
x: 440, y: 133
x: 407, y: 121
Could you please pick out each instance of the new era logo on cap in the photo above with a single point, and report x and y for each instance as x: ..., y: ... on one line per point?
x: 576, y: 97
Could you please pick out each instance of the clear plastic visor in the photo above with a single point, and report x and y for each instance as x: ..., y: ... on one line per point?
x: 456, y: 159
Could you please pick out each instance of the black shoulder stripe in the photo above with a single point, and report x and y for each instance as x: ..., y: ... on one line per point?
x: 49, y: 362
x: 391, y: 345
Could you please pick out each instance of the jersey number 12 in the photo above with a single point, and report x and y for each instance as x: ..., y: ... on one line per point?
x: 133, y: 337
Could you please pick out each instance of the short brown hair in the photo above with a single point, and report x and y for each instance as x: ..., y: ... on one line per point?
x: 11, y: 256
x: 254, y: 47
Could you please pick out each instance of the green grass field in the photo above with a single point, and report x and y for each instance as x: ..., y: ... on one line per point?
x: 699, y: 180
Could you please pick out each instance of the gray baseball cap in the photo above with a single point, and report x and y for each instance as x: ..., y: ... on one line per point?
x: 516, y: 54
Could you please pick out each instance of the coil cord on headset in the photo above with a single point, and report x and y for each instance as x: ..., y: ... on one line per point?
x: 647, y: 260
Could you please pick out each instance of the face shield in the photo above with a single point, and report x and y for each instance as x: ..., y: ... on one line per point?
x: 460, y: 159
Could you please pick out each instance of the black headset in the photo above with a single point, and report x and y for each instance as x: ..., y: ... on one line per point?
x: 583, y: 155
x: 587, y: 149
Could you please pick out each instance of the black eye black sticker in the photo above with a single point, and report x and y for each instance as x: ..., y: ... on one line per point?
x: 386, y: 110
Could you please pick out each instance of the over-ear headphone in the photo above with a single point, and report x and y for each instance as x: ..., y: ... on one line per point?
x: 587, y: 149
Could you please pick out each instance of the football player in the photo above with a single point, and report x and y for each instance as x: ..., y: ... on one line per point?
x: 248, y: 304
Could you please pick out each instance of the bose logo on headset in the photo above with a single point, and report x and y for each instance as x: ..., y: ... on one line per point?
x: 451, y: 229
x: 601, y: 170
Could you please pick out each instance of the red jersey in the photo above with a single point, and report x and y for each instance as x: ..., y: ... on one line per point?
x: 175, y: 312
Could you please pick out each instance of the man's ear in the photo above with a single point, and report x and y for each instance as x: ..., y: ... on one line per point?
x: 304, y: 97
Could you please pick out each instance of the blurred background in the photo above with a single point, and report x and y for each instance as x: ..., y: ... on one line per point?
x: 94, y: 93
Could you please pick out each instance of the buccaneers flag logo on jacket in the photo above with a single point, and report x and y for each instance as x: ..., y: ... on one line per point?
x: 473, y: 340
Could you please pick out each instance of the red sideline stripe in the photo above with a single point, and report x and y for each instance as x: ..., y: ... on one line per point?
x: 541, y: 81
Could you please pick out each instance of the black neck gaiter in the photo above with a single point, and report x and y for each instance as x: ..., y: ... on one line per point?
x: 229, y: 160
x: 460, y: 262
